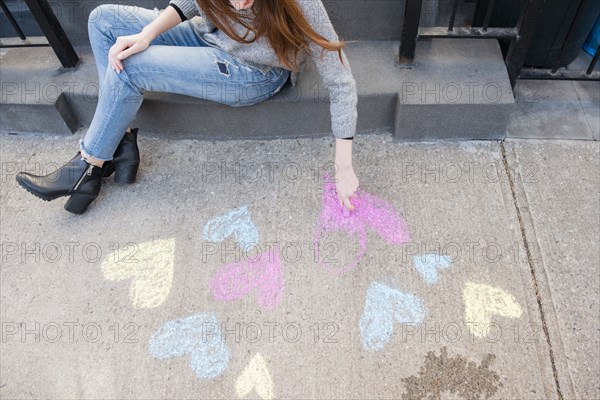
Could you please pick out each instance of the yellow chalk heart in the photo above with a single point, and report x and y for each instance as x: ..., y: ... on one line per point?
x: 150, y: 264
x: 484, y: 301
x: 256, y: 376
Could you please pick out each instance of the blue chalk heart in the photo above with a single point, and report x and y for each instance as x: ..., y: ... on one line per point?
x: 237, y: 222
x: 198, y: 335
x: 385, y: 305
x: 429, y: 263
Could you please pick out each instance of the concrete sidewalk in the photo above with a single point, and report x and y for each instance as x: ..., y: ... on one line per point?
x: 479, y: 281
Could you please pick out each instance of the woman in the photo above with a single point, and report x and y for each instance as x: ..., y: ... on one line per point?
x: 247, y: 49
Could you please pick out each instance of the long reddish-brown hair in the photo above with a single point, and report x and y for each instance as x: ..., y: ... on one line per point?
x: 282, y: 21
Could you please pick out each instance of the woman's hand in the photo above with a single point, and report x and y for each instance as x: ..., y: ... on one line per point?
x: 345, y: 180
x: 346, y: 183
x: 126, y: 46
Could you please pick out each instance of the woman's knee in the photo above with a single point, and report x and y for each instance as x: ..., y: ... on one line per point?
x: 101, y: 13
x: 130, y: 19
x: 112, y: 14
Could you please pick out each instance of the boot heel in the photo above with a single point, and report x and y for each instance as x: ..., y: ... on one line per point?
x: 78, y: 202
x: 108, y: 171
x: 126, y: 173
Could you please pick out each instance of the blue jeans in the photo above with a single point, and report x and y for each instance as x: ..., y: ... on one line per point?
x: 177, y: 61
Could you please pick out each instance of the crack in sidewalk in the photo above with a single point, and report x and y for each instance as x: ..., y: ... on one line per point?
x: 531, y: 268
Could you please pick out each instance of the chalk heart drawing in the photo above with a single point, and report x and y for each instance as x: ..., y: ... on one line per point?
x: 255, y: 376
x: 369, y: 211
x: 482, y: 302
x: 428, y: 265
x: 150, y: 265
x: 238, y: 223
x: 384, y: 306
x: 198, y: 336
x: 263, y: 274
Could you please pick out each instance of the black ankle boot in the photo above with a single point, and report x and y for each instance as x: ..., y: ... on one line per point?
x: 126, y: 159
x: 77, y: 178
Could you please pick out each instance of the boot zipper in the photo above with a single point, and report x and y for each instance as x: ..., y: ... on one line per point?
x: 88, y: 173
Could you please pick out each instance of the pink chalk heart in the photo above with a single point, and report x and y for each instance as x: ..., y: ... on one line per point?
x: 263, y: 273
x: 369, y: 211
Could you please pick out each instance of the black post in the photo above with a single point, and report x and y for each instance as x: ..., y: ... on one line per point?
x: 43, y: 14
x: 488, y: 14
x: 594, y: 61
x: 480, y: 12
x: 574, y: 23
x: 453, y: 15
x: 410, y: 30
x: 12, y: 21
x: 519, y: 47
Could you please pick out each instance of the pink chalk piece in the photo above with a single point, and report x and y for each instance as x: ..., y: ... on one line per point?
x: 369, y: 211
x: 263, y: 273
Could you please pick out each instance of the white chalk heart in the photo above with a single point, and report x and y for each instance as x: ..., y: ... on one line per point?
x: 150, y: 264
x: 255, y: 376
x: 482, y: 302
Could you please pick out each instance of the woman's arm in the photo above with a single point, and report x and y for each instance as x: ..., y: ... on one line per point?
x: 336, y: 78
x: 341, y: 85
x: 165, y: 21
x: 343, y: 153
x: 346, y: 180
x: 131, y: 44
x: 188, y: 8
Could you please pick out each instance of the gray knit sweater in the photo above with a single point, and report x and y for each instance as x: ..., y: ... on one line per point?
x: 335, y: 77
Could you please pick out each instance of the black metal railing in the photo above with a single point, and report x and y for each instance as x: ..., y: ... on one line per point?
x: 54, y: 35
x: 520, y: 36
x: 536, y: 73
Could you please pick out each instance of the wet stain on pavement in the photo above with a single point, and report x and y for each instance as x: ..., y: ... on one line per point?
x: 456, y: 375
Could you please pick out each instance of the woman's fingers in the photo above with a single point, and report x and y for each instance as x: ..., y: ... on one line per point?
x: 349, y: 205
x: 127, y: 52
x: 344, y: 201
x: 120, y: 48
x: 117, y: 66
x: 114, y: 62
x: 346, y: 188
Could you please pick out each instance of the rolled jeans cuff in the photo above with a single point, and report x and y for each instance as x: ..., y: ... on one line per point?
x: 88, y: 156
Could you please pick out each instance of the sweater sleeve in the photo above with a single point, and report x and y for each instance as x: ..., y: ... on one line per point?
x: 187, y: 7
x: 336, y: 78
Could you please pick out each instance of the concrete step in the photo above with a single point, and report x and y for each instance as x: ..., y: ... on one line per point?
x: 353, y: 19
x: 456, y: 89
x: 379, y: 19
